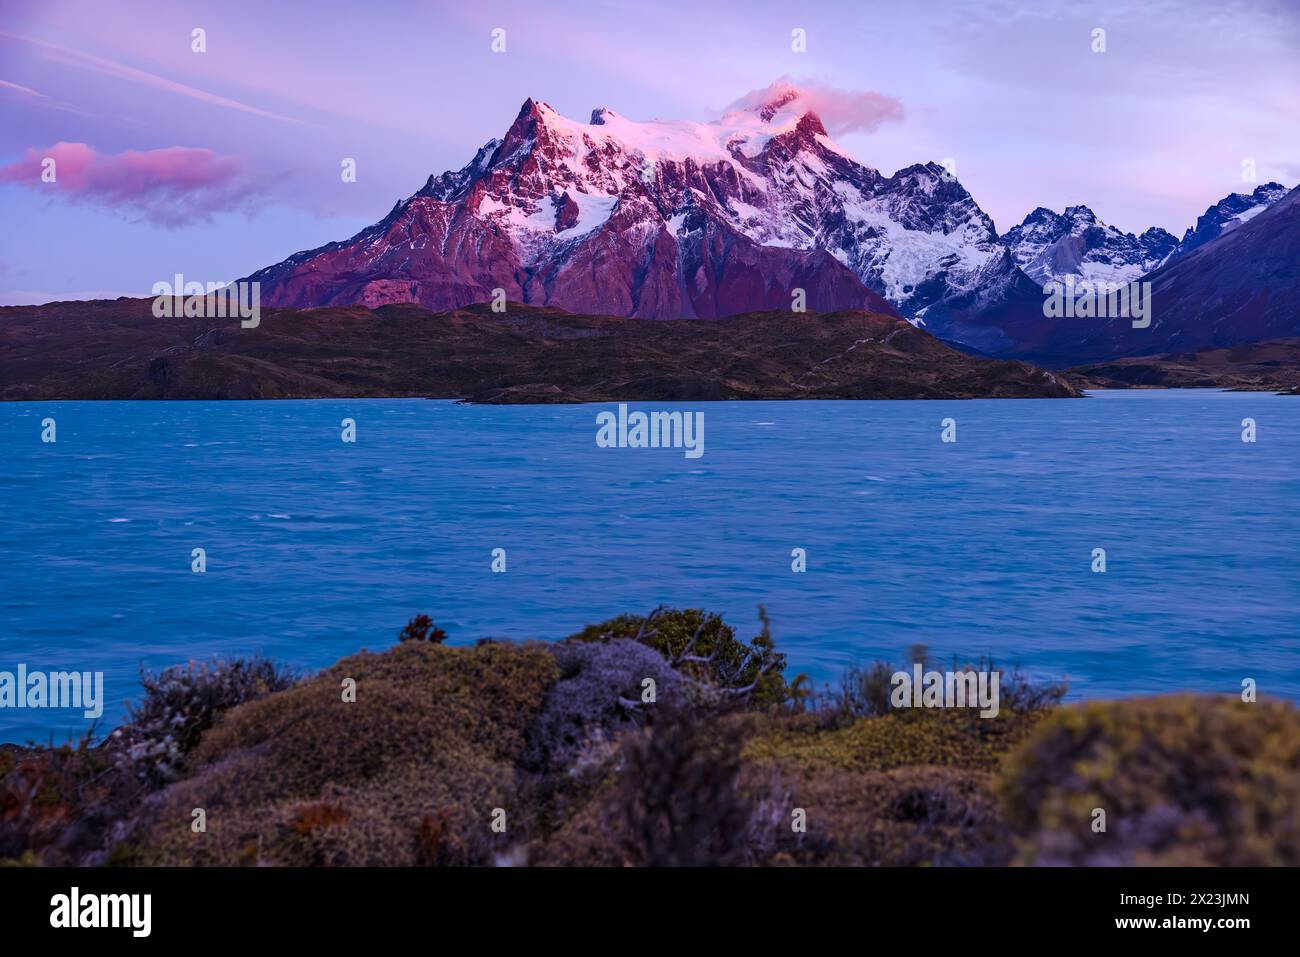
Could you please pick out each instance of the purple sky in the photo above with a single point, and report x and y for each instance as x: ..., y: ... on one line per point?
x: 214, y: 164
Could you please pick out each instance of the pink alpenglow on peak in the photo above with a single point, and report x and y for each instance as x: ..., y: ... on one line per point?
x: 658, y: 219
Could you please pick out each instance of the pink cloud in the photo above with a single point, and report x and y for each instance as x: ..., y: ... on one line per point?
x: 174, y: 186
x: 841, y: 111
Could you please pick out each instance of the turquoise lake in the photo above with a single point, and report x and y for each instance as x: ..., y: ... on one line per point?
x: 317, y: 548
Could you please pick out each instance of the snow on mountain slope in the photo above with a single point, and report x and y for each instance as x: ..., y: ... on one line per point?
x: 1238, y: 288
x: 595, y: 216
x: 668, y: 219
x: 1050, y: 246
x: 1229, y: 213
x: 611, y: 217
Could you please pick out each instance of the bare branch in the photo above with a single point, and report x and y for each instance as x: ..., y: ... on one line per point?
x: 642, y: 635
x: 686, y: 655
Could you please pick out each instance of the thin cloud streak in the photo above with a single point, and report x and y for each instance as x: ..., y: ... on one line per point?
x: 21, y: 89
x: 87, y: 61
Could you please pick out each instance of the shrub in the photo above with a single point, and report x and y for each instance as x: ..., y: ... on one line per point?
x: 1183, y: 780
x: 673, y: 795
x: 863, y: 693
x: 416, y: 764
x: 54, y: 801
x: 866, y: 692
x: 705, y: 647
x: 598, y: 695
x: 183, y: 701
x: 942, y: 737
x: 36, y: 794
x: 422, y: 628
x: 1019, y: 692
x: 678, y: 794
x: 907, y: 816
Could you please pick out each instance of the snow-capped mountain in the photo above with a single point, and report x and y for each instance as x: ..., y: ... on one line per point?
x: 1050, y: 246
x: 1238, y: 288
x: 609, y: 217
x: 670, y: 219
x: 664, y: 219
x: 1229, y: 213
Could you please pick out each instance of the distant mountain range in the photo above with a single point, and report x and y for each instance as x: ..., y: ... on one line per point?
x: 1241, y: 287
x: 673, y: 219
x: 1050, y: 246
x: 1229, y: 213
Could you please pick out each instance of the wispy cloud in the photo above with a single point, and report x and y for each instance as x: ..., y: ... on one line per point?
x: 38, y: 100
x: 841, y: 111
x: 105, y: 67
x: 174, y: 186
x: 21, y: 89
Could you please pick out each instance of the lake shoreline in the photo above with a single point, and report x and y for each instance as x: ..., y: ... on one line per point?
x: 528, y: 753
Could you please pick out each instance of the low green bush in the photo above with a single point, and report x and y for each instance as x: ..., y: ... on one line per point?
x: 1183, y: 779
x: 705, y: 647
x: 434, y: 734
x: 939, y: 737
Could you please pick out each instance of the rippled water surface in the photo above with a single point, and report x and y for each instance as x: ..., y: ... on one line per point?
x: 316, y: 548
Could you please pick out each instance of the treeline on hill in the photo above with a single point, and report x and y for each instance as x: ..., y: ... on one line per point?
x: 656, y: 740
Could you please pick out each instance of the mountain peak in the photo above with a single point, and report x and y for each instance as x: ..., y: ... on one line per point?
x: 786, y: 95
x: 788, y: 104
x: 535, y: 111
x: 1049, y: 247
x: 535, y: 119
x: 928, y: 173
x: 1081, y: 214
x: 1039, y: 215
x: 1229, y: 213
x: 810, y: 124
x: 1269, y: 192
x: 574, y: 212
x: 1156, y: 232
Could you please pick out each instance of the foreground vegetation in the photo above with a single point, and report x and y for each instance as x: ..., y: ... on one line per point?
x: 664, y: 740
